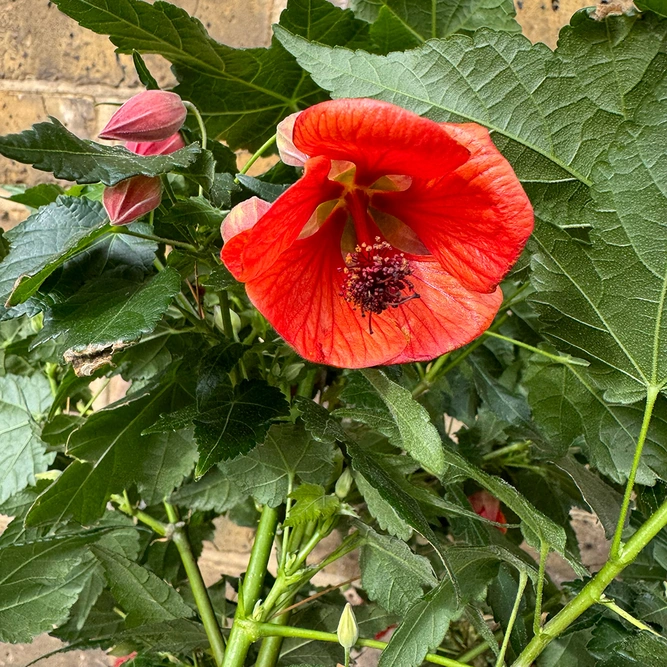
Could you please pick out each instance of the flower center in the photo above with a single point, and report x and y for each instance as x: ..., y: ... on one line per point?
x: 375, y: 278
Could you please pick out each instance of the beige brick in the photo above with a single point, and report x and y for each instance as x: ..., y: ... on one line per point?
x: 541, y: 20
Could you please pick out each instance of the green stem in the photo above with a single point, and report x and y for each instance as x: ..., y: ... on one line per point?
x: 51, y: 370
x: 125, y: 507
x: 151, y: 237
x: 610, y: 604
x: 271, y: 630
x: 508, y: 449
x: 651, y: 396
x: 269, y: 651
x: 523, y: 578
x: 240, y: 639
x: 202, y: 130
x: 95, y: 396
x: 592, y: 592
x: 537, y: 617
x: 197, y: 585
x: 571, y: 361
x: 258, y: 153
x: 473, y: 653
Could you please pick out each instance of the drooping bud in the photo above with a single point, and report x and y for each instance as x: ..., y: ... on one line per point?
x: 164, y: 147
x: 130, y: 199
x: 153, y: 115
x: 348, y: 630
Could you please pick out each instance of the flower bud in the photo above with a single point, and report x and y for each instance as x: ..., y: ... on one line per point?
x: 153, y: 115
x: 130, y: 199
x: 348, y: 630
x: 344, y: 484
x: 164, y: 147
x: 488, y: 507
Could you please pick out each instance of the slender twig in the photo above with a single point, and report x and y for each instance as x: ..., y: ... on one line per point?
x: 258, y: 153
x: 202, y: 130
x: 151, y: 237
x: 523, y: 578
x: 571, y: 361
x: 537, y: 617
x: 125, y: 506
x: 651, y: 396
x: 610, y: 604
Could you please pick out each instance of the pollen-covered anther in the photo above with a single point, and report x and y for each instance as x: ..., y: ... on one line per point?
x: 376, y: 278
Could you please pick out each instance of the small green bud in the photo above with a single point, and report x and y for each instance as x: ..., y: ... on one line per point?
x: 344, y: 484
x: 348, y: 630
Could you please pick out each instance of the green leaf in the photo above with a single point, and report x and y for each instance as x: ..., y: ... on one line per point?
x: 426, y: 622
x: 312, y: 504
x: 39, y: 195
x: 111, y: 454
x: 37, y: 587
x: 43, y: 242
x: 577, y: 293
x: 52, y: 147
x: 270, y: 471
x: 109, y: 312
x: 189, y: 213
x: 144, y: 597
x: 318, y: 421
x: 399, y: 25
x: 657, y: 6
x: 418, y: 435
x: 175, y: 636
x: 22, y: 452
x: 214, y: 491
x: 410, y: 573
x: 143, y: 72
x: 266, y: 191
x: 603, y: 500
x: 570, y: 410
x: 242, y: 93
x: 382, y: 511
x: 239, y: 420
x: 214, y: 371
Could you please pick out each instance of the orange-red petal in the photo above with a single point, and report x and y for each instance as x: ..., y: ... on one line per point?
x: 445, y: 316
x: 475, y: 220
x: 253, y: 251
x: 379, y: 138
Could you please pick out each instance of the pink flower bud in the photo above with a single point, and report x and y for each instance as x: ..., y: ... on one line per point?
x: 153, y: 115
x: 130, y: 199
x: 173, y: 143
x: 243, y: 216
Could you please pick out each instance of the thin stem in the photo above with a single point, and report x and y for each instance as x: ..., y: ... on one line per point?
x: 508, y: 449
x: 95, y: 396
x: 523, y: 578
x: 286, y: 529
x: 258, y: 153
x: 240, y: 639
x: 473, y: 653
x: 537, y: 617
x: 271, y: 630
x: 651, y: 396
x: 571, y: 361
x: 592, y: 592
x: 202, y: 130
x: 125, y: 507
x: 610, y: 604
x: 152, y: 237
x: 197, y: 585
x: 269, y: 651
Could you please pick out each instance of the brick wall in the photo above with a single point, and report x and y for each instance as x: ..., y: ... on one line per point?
x: 51, y: 66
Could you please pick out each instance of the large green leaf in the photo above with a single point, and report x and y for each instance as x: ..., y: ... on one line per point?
x: 44, y: 241
x: 237, y: 422
x: 22, y: 452
x: 144, y: 597
x: 38, y: 583
x: 269, y: 472
x: 242, y: 93
x: 399, y: 25
x: 424, y: 625
x: 605, y: 301
x: 52, y: 147
x: 109, y: 311
x: 111, y: 454
x: 410, y: 573
x: 571, y: 411
x: 214, y: 491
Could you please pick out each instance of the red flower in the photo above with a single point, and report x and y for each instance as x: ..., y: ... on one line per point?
x: 488, y: 506
x: 153, y: 115
x: 125, y: 658
x: 169, y: 145
x: 130, y: 199
x: 390, y: 247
